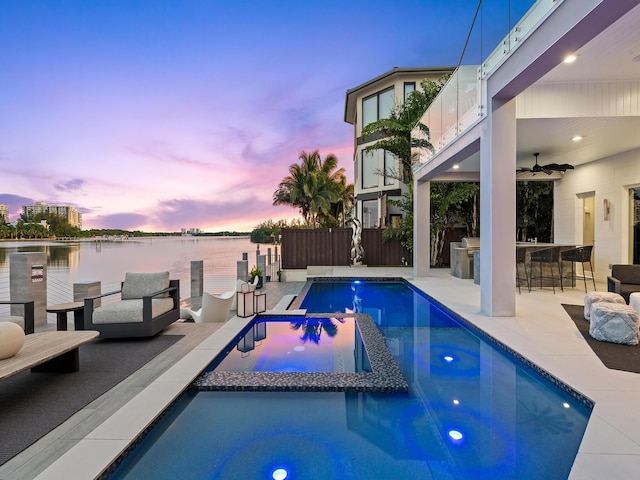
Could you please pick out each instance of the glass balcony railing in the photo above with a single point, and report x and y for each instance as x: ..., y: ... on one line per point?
x: 462, y: 103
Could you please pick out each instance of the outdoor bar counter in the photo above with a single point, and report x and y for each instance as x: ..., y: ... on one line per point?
x: 533, y: 269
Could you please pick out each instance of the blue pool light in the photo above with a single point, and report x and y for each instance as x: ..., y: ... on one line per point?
x: 448, y: 358
x: 279, y: 474
x: 456, y: 436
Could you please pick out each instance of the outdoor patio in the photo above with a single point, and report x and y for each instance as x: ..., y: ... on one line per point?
x: 542, y: 331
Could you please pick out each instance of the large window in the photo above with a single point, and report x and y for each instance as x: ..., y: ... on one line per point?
x: 389, y: 168
x: 378, y: 106
x: 370, y: 214
x: 370, y: 166
x: 408, y: 88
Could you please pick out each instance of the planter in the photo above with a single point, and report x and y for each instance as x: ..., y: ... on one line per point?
x: 260, y: 281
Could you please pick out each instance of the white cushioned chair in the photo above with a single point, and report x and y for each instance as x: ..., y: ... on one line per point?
x: 149, y: 302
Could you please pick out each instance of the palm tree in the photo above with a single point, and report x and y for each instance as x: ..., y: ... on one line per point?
x: 314, y: 186
x: 396, y: 130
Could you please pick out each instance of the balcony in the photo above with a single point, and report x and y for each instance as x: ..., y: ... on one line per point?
x: 462, y: 101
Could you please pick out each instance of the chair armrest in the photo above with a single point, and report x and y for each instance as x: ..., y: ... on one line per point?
x: 173, y: 291
x: 88, y: 301
x: 613, y: 284
x: 29, y: 313
x: 103, y: 295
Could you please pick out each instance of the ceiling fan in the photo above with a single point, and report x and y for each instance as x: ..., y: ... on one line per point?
x: 548, y: 169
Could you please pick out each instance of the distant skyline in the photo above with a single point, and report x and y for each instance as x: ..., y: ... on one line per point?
x: 159, y: 115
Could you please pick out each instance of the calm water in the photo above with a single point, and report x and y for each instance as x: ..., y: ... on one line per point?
x: 472, y: 412
x: 70, y: 262
x: 293, y: 344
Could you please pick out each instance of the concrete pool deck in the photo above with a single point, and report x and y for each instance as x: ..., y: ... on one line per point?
x: 541, y: 331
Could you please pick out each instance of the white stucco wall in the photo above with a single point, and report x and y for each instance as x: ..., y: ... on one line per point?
x: 609, y: 178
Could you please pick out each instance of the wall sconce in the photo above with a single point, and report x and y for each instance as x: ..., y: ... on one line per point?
x: 607, y: 209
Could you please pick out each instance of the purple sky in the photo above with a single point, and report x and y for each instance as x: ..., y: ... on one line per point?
x: 157, y: 115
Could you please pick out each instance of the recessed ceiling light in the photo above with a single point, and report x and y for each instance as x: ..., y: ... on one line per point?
x: 456, y: 166
x: 577, y: 138
x: 570, y: 58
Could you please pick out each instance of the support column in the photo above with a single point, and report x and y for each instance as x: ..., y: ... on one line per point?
x: 197, y: 278
x: 421, y: 229
x: 498, y: 211
x: 242, y: 270
x: 28, y: 281
x: 91, y: 288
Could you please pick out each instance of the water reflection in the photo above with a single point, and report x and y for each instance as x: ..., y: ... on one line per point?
x: 63, y: 256
x: 312, y: 328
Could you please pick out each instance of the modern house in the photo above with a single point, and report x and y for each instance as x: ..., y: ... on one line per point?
x: 366, y: 103
x: 564, y: 83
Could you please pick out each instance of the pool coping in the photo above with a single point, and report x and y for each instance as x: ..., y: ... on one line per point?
x: 385, y: 375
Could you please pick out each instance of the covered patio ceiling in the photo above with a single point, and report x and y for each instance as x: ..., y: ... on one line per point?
x: 613, y: 56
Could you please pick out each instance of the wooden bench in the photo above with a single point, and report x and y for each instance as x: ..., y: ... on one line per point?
x: 48, y: 352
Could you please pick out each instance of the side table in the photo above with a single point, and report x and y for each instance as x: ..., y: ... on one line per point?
x: 61, y: 311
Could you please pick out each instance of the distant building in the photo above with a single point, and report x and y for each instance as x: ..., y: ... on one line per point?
x: 191, y: 231
x: 70, y: 213
x: 4, y: 213
x: 367, y: 103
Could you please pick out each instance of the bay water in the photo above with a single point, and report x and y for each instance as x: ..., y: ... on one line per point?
x: 107, y: 261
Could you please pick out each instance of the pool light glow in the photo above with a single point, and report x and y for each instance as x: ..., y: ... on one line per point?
x: 456, y: 436
x: 279, y: 474
x: 448, y: 358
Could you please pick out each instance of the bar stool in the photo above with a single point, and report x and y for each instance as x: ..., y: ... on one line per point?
x: 582, y: 255
x: 521, y: 257
x: 548, y: 256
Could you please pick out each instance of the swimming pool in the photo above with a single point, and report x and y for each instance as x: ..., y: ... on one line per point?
x: 472, y: 411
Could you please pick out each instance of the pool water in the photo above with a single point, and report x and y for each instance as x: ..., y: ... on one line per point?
x: 293, y: 344
x: 473, y: 411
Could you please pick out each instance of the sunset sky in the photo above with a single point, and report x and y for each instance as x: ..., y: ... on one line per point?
x: 157, y: 114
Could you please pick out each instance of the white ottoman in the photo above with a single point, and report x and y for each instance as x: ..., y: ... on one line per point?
x: 594, y: 297
x: 634, y: 301
x: 614, y: 322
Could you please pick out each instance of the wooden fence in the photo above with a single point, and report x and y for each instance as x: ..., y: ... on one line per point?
x: 332, y: 247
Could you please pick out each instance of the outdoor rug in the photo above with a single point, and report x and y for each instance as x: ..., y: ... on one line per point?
x: 614, y: 355
x: 33, y: 404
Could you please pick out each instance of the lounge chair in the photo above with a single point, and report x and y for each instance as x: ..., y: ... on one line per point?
x: 215, y: 308
x: 26, y: 320
x: 149, y: 303
x: 624, y: 279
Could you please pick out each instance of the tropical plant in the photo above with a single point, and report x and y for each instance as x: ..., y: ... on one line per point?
x: 534, y: 210
x: 404, y: 231
x: 396, y: 130
x: 255, y: 272
x: 340, y: 211
x: 450, y: 206
x: 313, y: 186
